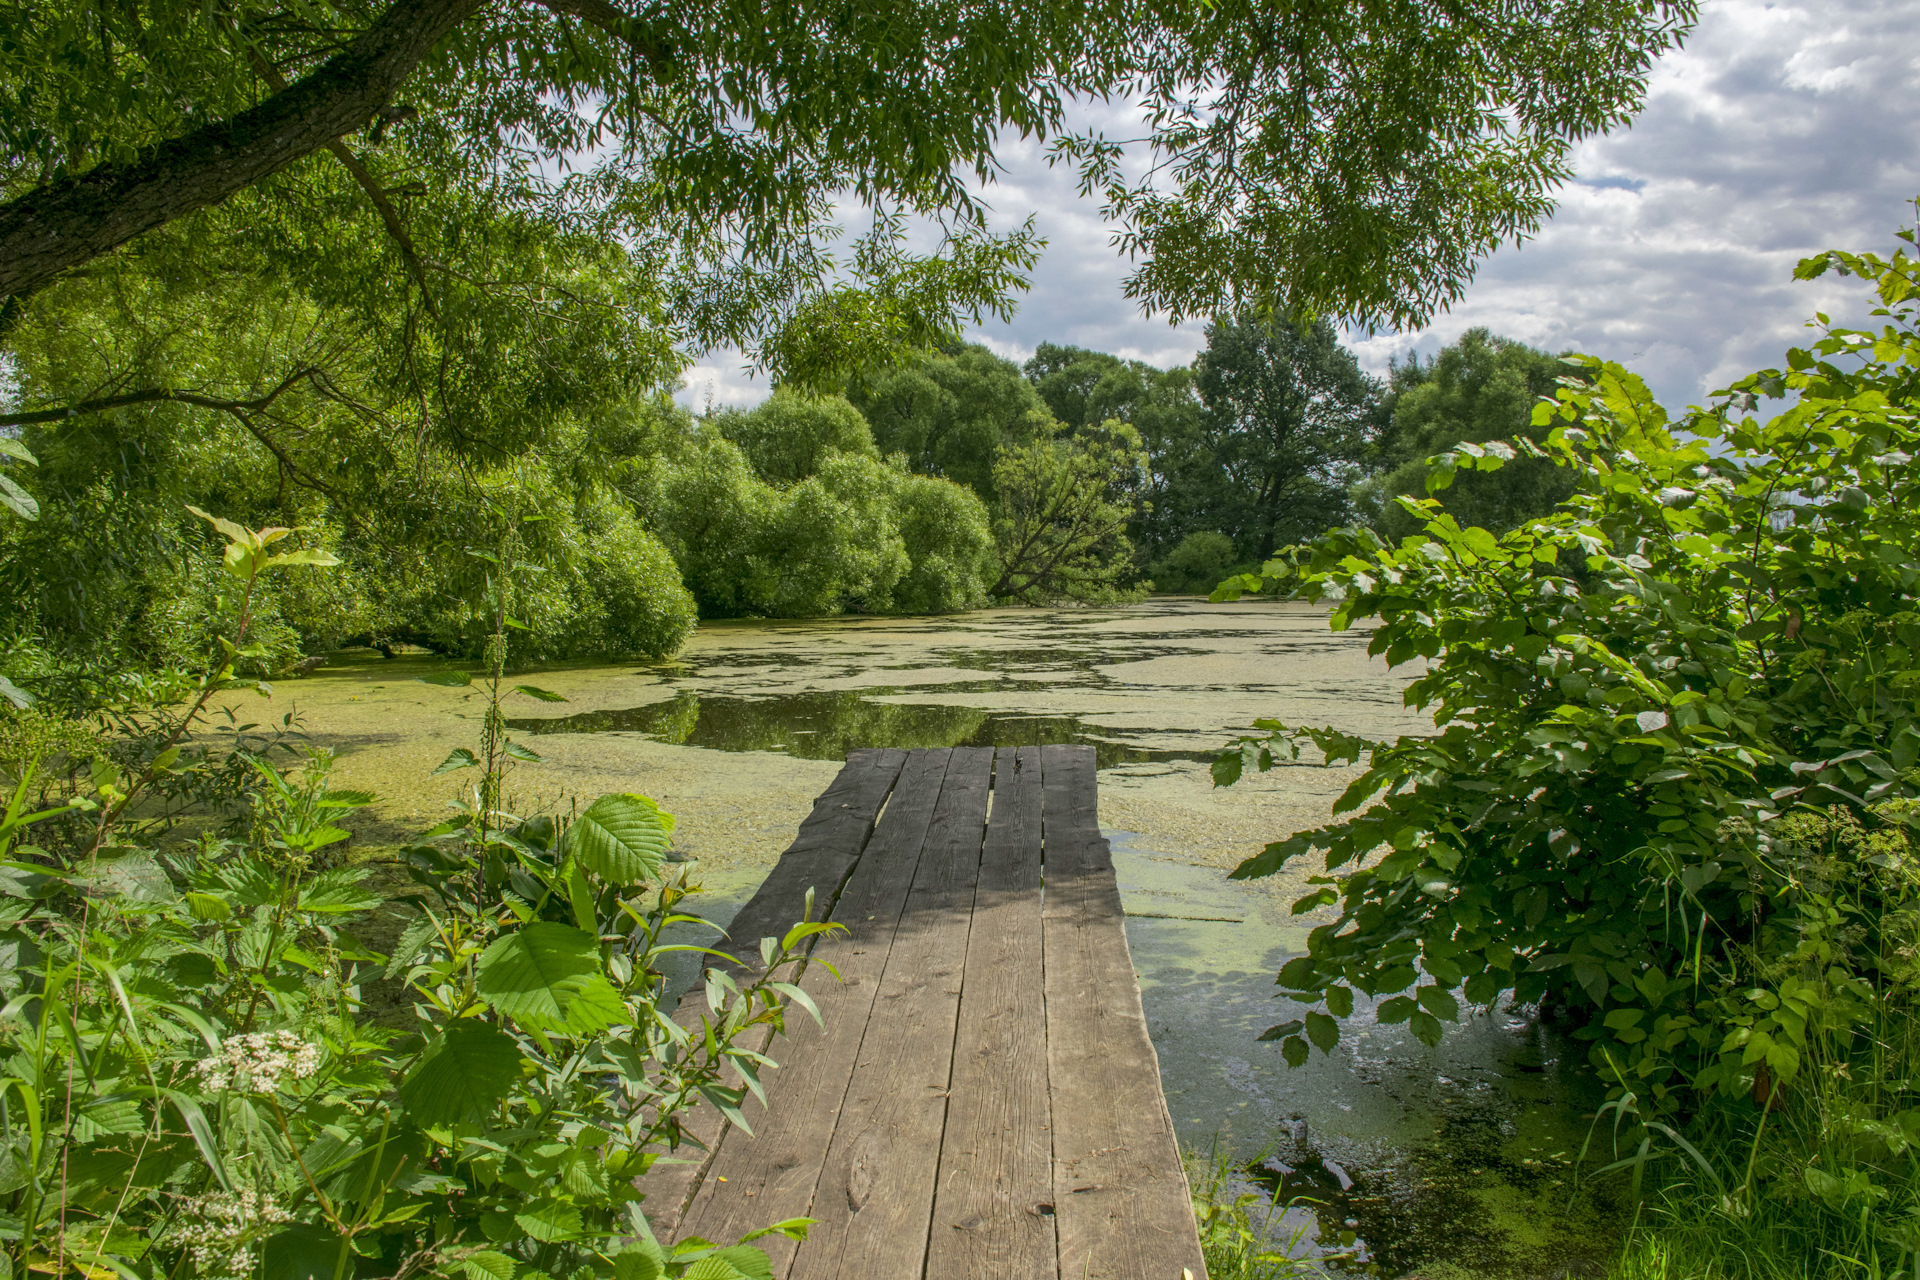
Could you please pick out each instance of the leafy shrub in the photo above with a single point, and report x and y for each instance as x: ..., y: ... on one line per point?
x: 949, y: 545
x: 790, y: 436
x: 855, y: 534
x: 832, y: 545
x: 1641, y: 703
x: 1201, y: 560
x: 196, y: 1087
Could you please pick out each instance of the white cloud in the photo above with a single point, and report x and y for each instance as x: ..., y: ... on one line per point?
x: 1778, y: 131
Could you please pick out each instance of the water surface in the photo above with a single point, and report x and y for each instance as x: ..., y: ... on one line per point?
x: 1411, y: 1161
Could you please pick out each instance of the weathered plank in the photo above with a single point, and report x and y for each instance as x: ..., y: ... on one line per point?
x: 876, y: 1191
x: 772, y: 1174
x: 823, y: 853
x: 1123, y: 1210
x: 993, y: 1212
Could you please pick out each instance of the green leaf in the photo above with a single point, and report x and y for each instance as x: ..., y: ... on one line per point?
x: 791, y: 1228
x: 459, y: 758
x: 515, y: 751
x: 462, y: 1075
x: 534, y: 691
x: 207, y: 907
x: 203, y: 1138
x: 550, y: 1222
x: 1398, y: 1009
x: 1323, y: 1031
x: 134, y: 876
x: 17, y: 500
x: 548, y: 977
x: 447, y: 679
x: 15, y: 694
x: 1439, y: 1002
x: 488, y: 1265
x: 289, y: 559
x: 1294, y: 1050
x: 1340, y: 1001
x: 621, y: 838
x: 14, y: 449
x: 1427, y: 1027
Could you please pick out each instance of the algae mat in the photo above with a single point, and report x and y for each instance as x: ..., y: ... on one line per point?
x: 1408, y: 1161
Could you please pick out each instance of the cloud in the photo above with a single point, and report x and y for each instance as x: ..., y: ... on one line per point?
x: 1778, y: 131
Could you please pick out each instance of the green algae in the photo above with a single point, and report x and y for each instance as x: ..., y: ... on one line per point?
x: 1447, y: 1161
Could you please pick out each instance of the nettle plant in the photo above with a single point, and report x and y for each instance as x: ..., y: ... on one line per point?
x: 193, y: 1082
x: 1643, y: 705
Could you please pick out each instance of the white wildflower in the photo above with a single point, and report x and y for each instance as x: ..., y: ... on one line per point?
x: 218, y: 1230
x: 258, y: 1063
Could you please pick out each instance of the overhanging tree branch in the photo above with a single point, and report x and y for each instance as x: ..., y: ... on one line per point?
x: 155, y: 395
x: 69, y: 222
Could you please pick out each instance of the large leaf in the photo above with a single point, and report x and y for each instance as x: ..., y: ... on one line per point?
x: 740, y: 1262
x: 462, y: 1075
x: 621, y: 838
x: 18, y: 500
x: 548, y: 977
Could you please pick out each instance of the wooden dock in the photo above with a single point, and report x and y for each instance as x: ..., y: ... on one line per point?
x: 983, y: 1102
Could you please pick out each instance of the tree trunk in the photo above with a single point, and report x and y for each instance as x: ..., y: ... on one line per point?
x: 58, y: 227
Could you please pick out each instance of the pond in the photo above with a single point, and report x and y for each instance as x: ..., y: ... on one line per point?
x: 1409, y: 1161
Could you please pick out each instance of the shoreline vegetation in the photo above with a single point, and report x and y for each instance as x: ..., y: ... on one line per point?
x: 362, y: 322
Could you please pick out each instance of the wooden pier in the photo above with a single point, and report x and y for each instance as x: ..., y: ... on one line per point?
x: 983, y: 1102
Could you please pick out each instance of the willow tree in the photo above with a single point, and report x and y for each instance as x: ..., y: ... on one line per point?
x: 1353, y: 159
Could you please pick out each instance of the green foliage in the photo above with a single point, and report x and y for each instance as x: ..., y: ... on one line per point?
x: 949, y: 544
x: 853, y: 534
x: 196, y: 1086
x: 951, y: 412
x: 1648, y: 705
x: 1063, y: 515
x: 1085, y: 388
x: 1342, y: 160
x: 1479, y: 389
x: 790, y: 436
x: 1238, y: 1229
x: 1198, y: 564
x: 1287, y: 417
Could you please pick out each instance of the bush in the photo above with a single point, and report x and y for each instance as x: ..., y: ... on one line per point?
x: 949, y: 545
x: 790, y: 436
x: 197, y: 1085
x: 854, y: 535
x: 1198, y: 564
x: 832, y: 545
x: 1651, y: 708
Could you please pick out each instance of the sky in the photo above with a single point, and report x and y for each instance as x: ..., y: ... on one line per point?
x: 1779, y: 130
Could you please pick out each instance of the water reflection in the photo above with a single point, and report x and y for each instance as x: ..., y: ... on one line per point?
x: 825, y: 725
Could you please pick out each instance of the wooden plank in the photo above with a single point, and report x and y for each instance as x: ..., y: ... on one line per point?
x: 876, y: 1194
x: 772, y: 1174
x: 993, y: 1209
x: 823, y: 853
x: 1123, y: 1209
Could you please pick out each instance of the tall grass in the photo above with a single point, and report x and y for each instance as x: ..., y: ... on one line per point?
x: 1820, y: 1181
x: 1240, y: 1231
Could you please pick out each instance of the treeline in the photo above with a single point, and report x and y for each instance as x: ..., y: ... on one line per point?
x: 1273, y: 435
x: 944, y: 480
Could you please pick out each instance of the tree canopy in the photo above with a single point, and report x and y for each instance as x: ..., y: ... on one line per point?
x: 1288, y: 416
x: 1477, y: 389
x: 1356, y: 159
